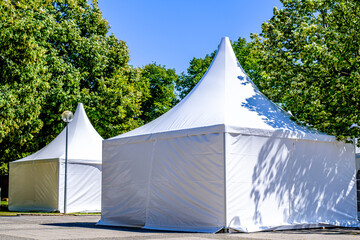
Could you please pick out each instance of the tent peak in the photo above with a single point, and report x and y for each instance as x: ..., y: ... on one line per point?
x: 85, y: 143
x: 80, y: 106
x: 224, y: 41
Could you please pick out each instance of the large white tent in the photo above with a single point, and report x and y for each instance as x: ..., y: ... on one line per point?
x: 36, y: 182
x: 227, y: 157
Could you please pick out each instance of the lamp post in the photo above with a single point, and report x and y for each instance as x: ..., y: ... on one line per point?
x: 354, y: 125
x: 67, y: 116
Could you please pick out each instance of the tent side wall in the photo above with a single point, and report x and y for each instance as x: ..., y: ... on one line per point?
x: 83, y: 187
x: 323, y: 184
x: 125, y: 179
x: 258, y: 174
x: 275, y: 182
x: 33, y: 185
x: 172, y: 183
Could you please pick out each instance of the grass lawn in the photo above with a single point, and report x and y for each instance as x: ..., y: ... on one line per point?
x: 4, y: 203
x: 5, y: 212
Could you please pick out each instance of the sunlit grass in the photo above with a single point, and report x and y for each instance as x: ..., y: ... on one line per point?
x: 5, y: 212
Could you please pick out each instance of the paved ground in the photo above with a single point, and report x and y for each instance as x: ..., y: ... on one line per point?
x: 83, y: 227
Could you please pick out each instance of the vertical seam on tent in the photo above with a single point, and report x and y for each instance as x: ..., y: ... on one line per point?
x: 149, y: 182
x: 290, y: 175
x: 58, y: 184
x: 225, y: 198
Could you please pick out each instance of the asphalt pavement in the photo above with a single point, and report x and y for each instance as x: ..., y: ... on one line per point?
x: 83, y: 227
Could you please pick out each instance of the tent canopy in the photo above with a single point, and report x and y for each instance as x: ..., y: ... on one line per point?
x: 226, y: 97
x: 84, y: 142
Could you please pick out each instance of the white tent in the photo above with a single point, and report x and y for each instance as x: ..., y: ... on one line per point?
x: 227, y: 157
x: 36, y: 182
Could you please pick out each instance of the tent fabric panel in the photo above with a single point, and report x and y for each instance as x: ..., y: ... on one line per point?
x: 45, y: 176
x: 126, y: 169
x: 83, y: 187
x: 324, y: 184
x: 187, y: 184
x: 257, y: 181
x: 33, y: 186
x: 21, y: 192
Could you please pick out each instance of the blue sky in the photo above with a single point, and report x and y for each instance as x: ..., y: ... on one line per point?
x: 172, y: 32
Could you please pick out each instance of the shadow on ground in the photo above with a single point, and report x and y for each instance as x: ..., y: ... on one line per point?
x: 326, y: 231
x: 93, y: 225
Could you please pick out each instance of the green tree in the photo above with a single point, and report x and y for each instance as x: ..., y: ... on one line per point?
x: 54, y: 54
x: 199, y: 66
x: 196, y: 70
x: 162, y: 91
x: 308, y: 56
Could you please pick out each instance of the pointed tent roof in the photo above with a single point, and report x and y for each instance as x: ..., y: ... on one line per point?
x: 84, y: 142
x: 226, y: 97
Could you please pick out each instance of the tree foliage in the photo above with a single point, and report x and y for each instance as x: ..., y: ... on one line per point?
x: 54, y: 54
x: 162, y: 91
x: 196, y: 70
x: 308, y: 58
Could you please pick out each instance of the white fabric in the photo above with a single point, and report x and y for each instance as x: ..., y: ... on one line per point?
x: 226, y: 157
x: 37, y: 181
x: 274, y: 182
x: 83, y: 187
x: 227, y: 96
x: 84, y: 142
x: 160, y: 184
x: 33, y: 186
x: 183, y: 177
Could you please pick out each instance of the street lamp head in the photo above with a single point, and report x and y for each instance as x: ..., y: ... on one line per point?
x: 67, y: 116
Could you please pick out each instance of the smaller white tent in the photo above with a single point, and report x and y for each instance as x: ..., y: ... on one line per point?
x: 36, y: 182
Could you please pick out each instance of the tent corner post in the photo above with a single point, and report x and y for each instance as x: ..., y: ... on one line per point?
x: 225, y: 190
